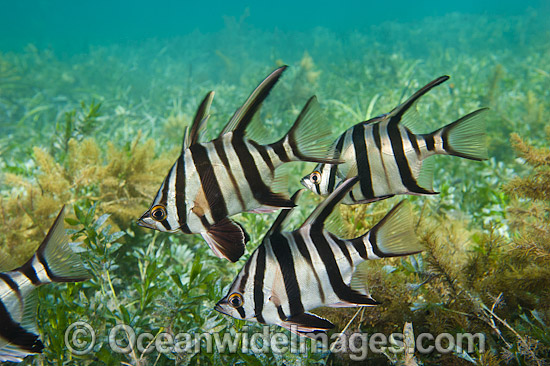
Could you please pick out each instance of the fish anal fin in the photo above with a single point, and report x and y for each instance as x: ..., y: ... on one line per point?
x: 355, y: 298
x: 307, y: 323
x: 345, y: 304
x: 278, y: 200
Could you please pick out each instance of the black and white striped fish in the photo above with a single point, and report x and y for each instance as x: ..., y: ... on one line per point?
x: 233, y: 173
x: 390, y: 159
x: 54, y: 261
x: 291, y: 273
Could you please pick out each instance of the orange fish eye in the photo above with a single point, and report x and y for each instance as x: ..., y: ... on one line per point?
x: 315, y: 177
x: 235, y: 300
x: 158, y: 213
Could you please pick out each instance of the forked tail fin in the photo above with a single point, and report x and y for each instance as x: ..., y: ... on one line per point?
x: 464, y: 137
x: 56, y: 258
x: 393, y: 236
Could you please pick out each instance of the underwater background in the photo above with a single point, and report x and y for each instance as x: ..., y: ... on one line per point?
x: 94, y: 97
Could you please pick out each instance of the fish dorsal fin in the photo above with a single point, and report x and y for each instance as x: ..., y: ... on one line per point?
x: 399, y: 113
x: 244, y: 115
x: 335, y: 224
x: 258, y: 132
x: 324, y: 209
x: 375, y: 119
x: 281, y: 218
x: 191, y: 135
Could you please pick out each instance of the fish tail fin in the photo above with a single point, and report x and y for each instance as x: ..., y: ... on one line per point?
x: 59, y: 261
x: 393, y: 236
x: 464, y: 137
x: 309, y: 139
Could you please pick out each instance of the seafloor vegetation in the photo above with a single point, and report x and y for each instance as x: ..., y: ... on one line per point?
x: 98, y: 131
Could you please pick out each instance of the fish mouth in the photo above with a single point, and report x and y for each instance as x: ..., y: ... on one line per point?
x: 145, y: 224
x: 142, y: 221
x: 304, y: 181
x: 219, y: 308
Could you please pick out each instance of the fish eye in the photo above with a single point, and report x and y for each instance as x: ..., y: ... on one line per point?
x: 235, y: 300
x: 315, y: 177
x: 158, y: 213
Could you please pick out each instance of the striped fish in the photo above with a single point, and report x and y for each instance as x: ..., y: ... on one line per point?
x: 389, y: 158
x: 291, y: 273
x: 54, y: 261
x: 233, y: 173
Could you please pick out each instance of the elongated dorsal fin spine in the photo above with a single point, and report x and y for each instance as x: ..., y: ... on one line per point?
x: 281, y: 218
x: 397, y: 113
x: 323, y: 211
x: 191, y: 135
x: 244, y: 115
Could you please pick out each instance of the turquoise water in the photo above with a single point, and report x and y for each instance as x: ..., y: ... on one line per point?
x: 94, y: 97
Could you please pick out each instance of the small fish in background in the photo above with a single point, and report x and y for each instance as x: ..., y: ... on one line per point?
x: 233, y: 173
x: 389, y: 157
x: 54, y: 261
x: 291, y: 273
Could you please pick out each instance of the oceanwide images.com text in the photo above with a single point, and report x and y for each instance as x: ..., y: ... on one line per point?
x: 81, y: 339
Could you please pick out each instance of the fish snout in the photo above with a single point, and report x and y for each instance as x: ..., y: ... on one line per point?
x: 146, y: 221
x: 219, y: 307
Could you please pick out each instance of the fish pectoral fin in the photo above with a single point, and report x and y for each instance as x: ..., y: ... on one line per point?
x: 227, y: 239
x: 307, y: 323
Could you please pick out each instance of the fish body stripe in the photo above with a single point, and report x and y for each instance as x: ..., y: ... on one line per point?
x: 376, y: 135
x: 264, y: 154
x: 326, y: 254
x: 220, y: 150
x: 333, y: 168
x: 181, y: 207
x: 209, y: 182
x: 11, y: 283
x: 343, y: 247
x: 258, y: 287
x: 405, y: 173
x: 28, y: 270
x: 281, y: 248
x: 361, y: 155
x: 244, y: 278
x: 413, y: 142
x: 302, y: 248
x: 279, y: 149
x: 250, y: 169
